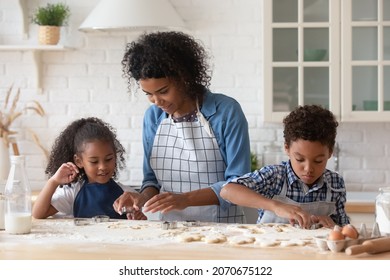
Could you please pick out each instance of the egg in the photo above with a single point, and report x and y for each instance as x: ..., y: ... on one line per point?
x: 350, y: 231
x: 335, y: 234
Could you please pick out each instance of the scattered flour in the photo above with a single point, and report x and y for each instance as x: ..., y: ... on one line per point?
x: 151, y: 233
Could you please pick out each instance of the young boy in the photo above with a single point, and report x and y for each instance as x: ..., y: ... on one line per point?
x: 299, y: 191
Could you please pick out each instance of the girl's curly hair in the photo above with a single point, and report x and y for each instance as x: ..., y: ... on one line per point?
x: 173, y: 55
x: 71, y: 141
x: 312, y: 123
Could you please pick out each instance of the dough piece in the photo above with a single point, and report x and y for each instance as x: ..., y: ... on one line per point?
x: 294, y: 242
x: 215, y: 238
x: 240, y: 240
x: 190, y: 237
x: 267, y: 242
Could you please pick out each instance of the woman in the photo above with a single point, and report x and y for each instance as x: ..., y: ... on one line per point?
x: 194, y: 140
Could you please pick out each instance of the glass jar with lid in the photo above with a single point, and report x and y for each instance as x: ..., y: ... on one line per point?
x: 382, y: 210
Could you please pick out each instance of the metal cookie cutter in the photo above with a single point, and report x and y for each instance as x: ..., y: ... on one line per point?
x: 191, y: 223
x: 168, y: 225
x: 313, y: 226
x: 93, y: 220
x: 125, y: 210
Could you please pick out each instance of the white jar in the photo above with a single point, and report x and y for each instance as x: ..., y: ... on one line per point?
x: 382, y: 210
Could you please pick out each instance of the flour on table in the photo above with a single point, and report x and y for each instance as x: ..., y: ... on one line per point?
x: 150, y: 233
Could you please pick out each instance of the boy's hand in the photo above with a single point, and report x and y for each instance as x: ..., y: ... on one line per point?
x: 325, y: 221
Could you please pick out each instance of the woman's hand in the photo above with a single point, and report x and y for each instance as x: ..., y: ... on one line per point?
x: 166, y: 202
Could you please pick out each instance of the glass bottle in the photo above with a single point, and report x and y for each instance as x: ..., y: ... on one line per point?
x: 17, y: 198
x: 382, y: 210
x: 2, y: 209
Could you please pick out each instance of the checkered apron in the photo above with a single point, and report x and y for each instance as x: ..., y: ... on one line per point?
x: 186, y: 157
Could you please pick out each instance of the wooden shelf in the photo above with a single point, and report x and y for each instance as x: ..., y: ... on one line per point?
x: 34, y: 48
x: 36, y: 51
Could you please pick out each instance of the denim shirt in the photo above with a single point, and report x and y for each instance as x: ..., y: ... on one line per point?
x: 230, y: 128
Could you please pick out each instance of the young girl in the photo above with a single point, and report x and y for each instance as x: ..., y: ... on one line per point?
x: 83, y: 162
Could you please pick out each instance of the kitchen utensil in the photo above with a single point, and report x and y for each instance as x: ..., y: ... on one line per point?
x: 373, y: 246
x: 168, y: 225
x: 93, y: 220
x: 191, y: 223
x: 125, y: 210
x: 313, y: 226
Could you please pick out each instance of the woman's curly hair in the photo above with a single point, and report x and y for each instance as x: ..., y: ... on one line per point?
x: 72, y: 139
x: 173, y: 55
x: 311, y: 123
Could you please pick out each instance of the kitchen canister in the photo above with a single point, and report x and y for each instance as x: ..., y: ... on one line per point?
x: 382, y: 210
x: 17, y: 219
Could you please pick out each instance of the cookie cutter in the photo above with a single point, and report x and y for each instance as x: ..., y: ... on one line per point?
x: 125, y: 210
x: 94, y: 220
x: 168, y: 225
x: 313, y: 226
x: 191, y: 223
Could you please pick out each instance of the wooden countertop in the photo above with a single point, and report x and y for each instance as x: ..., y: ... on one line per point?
x: 360, y: 202
x: 57, y: 244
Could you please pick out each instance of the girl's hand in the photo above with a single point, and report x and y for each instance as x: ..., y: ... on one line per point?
x: 136, y: 215
x: 66, y: 173
x: 129, y: 201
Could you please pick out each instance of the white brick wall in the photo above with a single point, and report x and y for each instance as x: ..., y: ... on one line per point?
x: 87, y: 81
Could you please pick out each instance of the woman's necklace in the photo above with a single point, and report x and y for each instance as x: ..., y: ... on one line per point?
x: 190, y: 117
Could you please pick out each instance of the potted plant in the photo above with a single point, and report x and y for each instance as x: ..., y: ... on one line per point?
x: 50, y: 18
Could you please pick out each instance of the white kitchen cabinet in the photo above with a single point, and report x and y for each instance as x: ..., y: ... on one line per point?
x: 335, y: 53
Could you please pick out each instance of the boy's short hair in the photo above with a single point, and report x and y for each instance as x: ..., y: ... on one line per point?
x: 311, y: 123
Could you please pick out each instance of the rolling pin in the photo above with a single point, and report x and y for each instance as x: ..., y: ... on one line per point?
x: 372, y: 246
